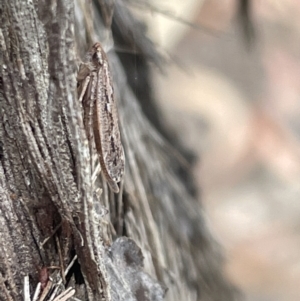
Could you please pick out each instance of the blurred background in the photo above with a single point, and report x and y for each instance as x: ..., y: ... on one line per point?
x: 233, y: 96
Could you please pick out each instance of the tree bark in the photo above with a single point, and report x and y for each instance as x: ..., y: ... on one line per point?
x: 132, y: 246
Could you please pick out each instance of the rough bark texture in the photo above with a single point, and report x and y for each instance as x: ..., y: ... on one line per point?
x: 48, y: 183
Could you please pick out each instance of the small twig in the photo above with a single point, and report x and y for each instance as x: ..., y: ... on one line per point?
x: 37, y: 292
x: 65, y: 274
x: 45, y: 290
x: 96, y: 173
x: 54, y: 231
x: 26, y: 291
x: 53, y: 267
x: 54, y: 292
x: 62, y: 272
x: 70, y: 265
x: 65, y: 295
x: 120, y: 218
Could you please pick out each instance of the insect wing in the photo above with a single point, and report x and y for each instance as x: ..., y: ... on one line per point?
x: 106, y: 128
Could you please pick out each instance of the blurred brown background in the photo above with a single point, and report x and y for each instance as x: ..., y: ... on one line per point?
x: 237, y: 105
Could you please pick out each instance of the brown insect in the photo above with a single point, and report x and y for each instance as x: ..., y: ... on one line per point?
x: 95, y: 90
x: 43, y: 277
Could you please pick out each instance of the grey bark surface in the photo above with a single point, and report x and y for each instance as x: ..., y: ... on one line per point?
x: 148, y: 243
